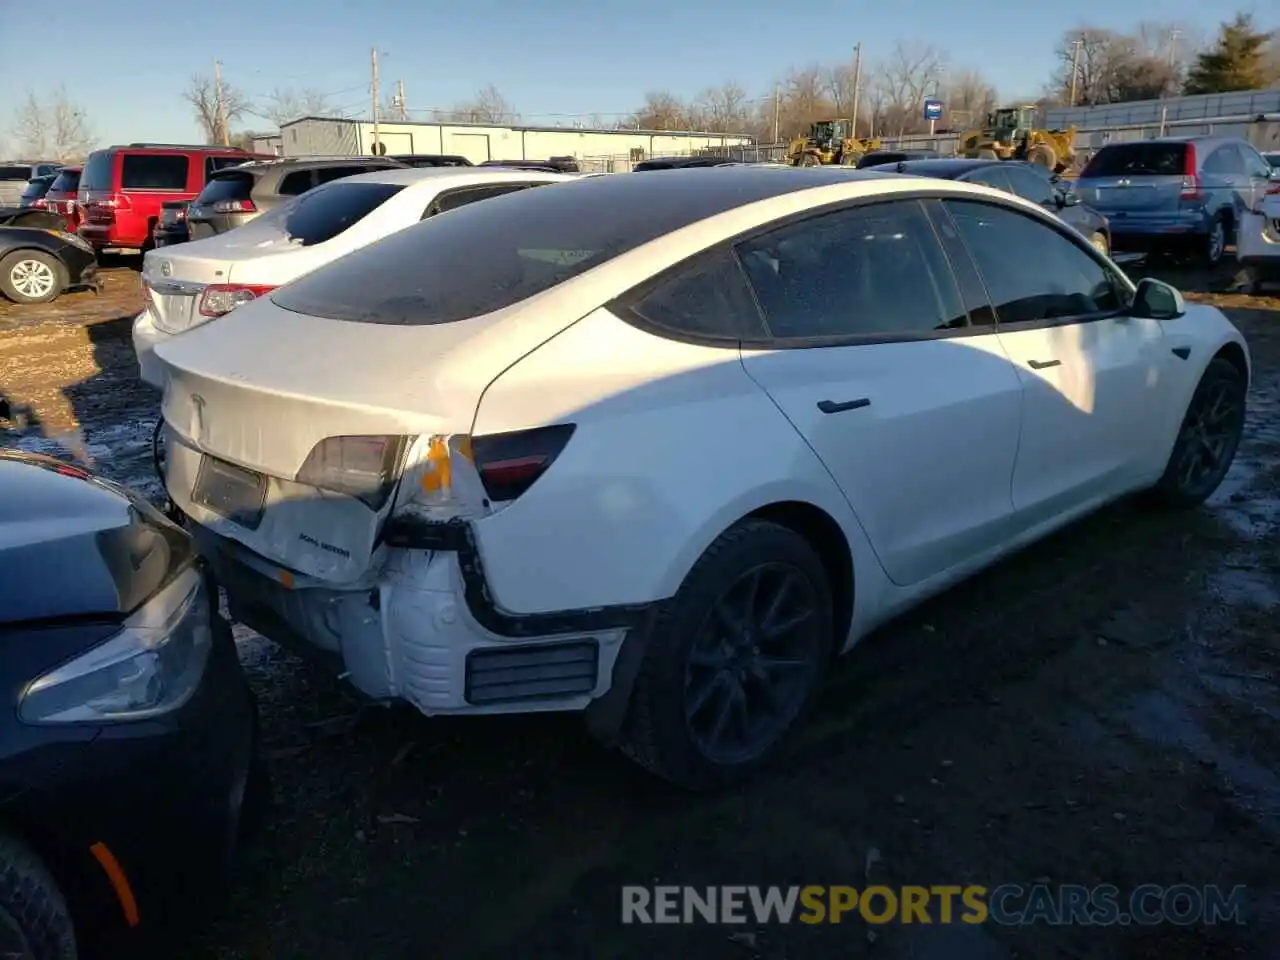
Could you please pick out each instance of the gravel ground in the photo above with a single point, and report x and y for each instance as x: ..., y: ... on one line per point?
x: 1101, y: 709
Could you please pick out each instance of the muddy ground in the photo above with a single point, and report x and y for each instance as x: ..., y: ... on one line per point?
x: 1101, y: 709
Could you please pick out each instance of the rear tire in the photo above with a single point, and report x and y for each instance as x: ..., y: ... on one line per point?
x: 1207, y: 439
x: 733, y: 660
x: 34, y: 920
x: 1215, y: 244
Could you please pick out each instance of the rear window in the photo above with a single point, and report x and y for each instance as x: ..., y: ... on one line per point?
x: 486, y: 256
x: 227, y: 186
x: 98, y: 171
x: 155, y: 171
x: 323, y: 213
x: 15, y: 173
x: 68, y: 181
x: 1138, y: 159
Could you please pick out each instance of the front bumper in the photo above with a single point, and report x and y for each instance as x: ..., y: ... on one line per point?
x: 412, y: 635
x: 146, y: 337
x: 163, y: 796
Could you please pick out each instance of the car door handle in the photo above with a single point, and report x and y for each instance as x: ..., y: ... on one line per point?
x: 831, y: 406
x: 1043, y: 364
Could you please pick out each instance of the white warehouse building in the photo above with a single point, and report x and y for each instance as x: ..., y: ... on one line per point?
x: 478, y: 142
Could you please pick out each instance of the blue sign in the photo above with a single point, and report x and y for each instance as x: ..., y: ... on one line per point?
x: 933, y: 109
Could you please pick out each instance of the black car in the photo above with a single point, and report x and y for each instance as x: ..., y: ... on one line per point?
x: 1031, y: 181
x: 127, y: 731
x: 39, y: 260
x: 680, y: 163
x: 172, y: 226
x: 876, y: 157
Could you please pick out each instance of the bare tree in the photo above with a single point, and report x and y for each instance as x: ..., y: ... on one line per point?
x: 723, y: 109
x: 969, y: 98
x: 52, y: 129
x: 488, y: 106
x: 661, y: 110
x: 283, y: 105
x: 1111, y: 67
x: 202, y: 94
x: 912, y: 72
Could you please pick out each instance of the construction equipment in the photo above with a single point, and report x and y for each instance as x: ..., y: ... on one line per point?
x: 829, y: 142
x: 1011, y: 134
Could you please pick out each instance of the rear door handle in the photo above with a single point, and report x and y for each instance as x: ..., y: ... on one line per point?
x: 1043, y: 364
x: 831, y: 406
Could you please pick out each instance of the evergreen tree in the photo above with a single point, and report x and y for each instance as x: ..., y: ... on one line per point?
x: 1237, y: 61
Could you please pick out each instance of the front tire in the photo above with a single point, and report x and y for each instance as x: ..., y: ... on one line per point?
x: 1207, y: 440
x: 35, y: 923
x: 733, y: 661
x: 32, y: 276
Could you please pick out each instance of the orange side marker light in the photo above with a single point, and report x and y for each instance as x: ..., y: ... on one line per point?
x: 119, y: 882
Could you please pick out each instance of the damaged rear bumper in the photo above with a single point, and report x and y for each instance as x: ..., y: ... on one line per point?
x: 427, y: 634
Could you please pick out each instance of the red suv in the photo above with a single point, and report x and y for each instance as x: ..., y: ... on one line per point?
x: 123, y: 187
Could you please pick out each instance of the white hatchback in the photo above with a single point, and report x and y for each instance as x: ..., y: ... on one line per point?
x: 192, y: 283
x: 655, y: 448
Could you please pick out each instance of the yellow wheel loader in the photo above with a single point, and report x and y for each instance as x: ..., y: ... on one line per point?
x: 1011, y: 134
x: 829, y: 142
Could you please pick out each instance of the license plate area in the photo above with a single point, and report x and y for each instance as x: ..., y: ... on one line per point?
x: 231, y: 492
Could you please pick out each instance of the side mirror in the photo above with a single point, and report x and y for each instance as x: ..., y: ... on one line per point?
x: 1066, y: 199
x: 1157, y: 300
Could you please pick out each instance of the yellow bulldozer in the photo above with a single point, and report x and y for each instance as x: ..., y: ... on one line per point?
x: 1011, y: 134
x: 829, y: 142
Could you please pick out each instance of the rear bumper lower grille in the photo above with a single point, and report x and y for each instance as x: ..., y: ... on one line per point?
x: 532, y: 672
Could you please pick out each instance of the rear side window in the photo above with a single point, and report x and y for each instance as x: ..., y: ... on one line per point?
x: 154, y: 171
x: 329, y: 174
x: 227, y: 186
x: 321, y: 215
x: 98, y: 171
x: 68, y: 181
x: 297, y: 183
x: 460, y: 198
x: 706, y: 299
x: 1145, y: 158
x: 15, y: 173
x: 1273, y: 159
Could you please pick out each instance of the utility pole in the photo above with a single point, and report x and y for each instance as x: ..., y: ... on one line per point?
x: 1075, y: 66
x: 777, y: 112
x: 857, y: 86
x: 223, y: 134
x: 1174, y: 35
x: 404, y: 112
x: 373, y: 90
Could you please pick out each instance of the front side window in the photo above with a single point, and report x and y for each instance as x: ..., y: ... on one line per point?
x: 871, y: 271
x: 1032, y: 186
x: 1032, y: 272
x: 152, y: 171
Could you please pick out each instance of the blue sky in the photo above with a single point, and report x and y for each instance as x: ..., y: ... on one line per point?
x: 127, y: 64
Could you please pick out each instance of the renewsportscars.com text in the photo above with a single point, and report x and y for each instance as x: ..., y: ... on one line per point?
x: 1007, y: 904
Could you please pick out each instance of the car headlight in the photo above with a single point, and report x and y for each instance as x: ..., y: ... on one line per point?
x: 153, y: 665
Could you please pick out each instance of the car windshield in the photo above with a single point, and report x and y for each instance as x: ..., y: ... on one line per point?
x: 322, y: 213
x: 1146, y: 158
x: 489, y: 255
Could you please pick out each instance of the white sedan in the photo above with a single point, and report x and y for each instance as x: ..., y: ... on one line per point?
x: 655, y: 448
x: 192, y: 283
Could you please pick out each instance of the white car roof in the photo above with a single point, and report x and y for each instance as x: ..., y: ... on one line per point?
x: 446, y: 178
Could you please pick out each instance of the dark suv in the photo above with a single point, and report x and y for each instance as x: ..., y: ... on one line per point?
x: 235, y: 196
x: 1184, y: 194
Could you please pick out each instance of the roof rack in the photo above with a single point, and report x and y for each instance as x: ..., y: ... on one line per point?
x: 186, y: 146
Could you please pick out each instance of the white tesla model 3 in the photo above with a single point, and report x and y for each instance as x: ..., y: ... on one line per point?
x: 655, y: 448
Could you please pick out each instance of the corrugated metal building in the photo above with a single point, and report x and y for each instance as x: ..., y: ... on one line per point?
x: 318, y: 136
x: 1210, y: 106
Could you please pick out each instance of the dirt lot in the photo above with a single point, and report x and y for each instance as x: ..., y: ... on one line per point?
x: 1101, y: 709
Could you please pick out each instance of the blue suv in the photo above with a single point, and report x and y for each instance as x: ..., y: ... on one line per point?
x: 1175, y: 194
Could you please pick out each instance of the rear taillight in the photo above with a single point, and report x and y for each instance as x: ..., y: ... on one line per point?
x: 220, y: 298
x: 366, y: 468
x: 510, y: 463
x: 234, y: 206
x: 1190, y: 179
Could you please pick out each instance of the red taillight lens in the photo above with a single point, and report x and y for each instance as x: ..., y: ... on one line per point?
x: 510, y: 463
x: 234, y: 206
x: 220, y: 298
x: 1190, y: 180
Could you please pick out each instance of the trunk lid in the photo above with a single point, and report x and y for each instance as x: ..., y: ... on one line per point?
x: 262, y: 387
x: 1145, y: 176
